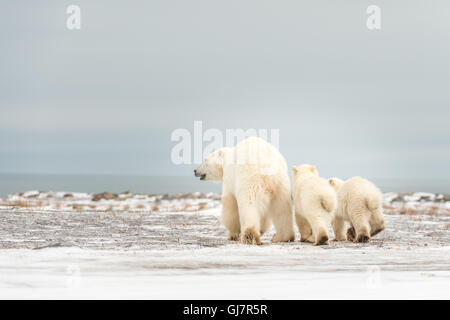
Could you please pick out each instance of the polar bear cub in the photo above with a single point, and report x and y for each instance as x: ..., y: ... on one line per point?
x: 360, y: 203
x: 256, y: 190
x: 315, y: 202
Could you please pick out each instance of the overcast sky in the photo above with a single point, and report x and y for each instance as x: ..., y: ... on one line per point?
x: 106, y: 98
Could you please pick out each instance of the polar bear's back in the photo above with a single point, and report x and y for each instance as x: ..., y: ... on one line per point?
x: 258, y: 167
x: 256, y: 152
x: 311, y: 191
x: 356, y: 191
x: 358, y: 185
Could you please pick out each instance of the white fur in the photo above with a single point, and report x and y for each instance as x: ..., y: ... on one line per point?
x: 256, y: 190
x: 315, y: 202
x: 360, y: 203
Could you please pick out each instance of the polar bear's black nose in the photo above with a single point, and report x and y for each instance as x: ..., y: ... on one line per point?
x: 195, y: 171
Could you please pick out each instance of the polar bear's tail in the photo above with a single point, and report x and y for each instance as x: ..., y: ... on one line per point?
x: 373, y: 203
x: 328, y: 202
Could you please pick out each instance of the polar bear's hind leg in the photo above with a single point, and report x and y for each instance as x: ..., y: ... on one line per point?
x: 250, y: 224
x: 265, y: 224
x: 362, y: 226
x: 282, y: 217
x: 351, y: 234
x: 320, y: 234
x: 250, y: 236
x: 303, y: 227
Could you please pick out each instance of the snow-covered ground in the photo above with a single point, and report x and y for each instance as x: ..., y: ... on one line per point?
x: 174, y: 246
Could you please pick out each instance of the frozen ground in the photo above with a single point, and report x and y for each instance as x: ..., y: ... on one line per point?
x: 135, y: 246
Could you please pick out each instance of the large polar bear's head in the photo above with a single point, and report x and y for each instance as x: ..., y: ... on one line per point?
x: 212, y: 167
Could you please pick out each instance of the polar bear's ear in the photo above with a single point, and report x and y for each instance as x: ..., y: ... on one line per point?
x: 332, y: 182
x: 294, y: 170
x: 313, y: 169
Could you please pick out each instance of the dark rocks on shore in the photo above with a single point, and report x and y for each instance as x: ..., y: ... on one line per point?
x: 104, y: 196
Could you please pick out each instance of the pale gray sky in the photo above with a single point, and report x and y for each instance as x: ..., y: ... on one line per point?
x: 106, y: 98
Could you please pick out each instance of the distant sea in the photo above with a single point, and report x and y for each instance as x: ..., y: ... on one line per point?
x: 14, y: 183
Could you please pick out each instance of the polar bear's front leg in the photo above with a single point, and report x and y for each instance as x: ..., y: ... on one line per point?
x: 230, y: 216
x: 250, y: 224
x: 339, y: 229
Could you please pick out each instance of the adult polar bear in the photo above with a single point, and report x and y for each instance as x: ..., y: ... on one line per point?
x: 256, y: 190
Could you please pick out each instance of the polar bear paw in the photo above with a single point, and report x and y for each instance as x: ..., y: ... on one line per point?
x: 321, y: 241
x: 309, y: 239
x: 250, y: 236
x: 362, y: 238
x: 351, y: 234
x: 276, y: 238
x: 340, y: 238
x: 233, y: 237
